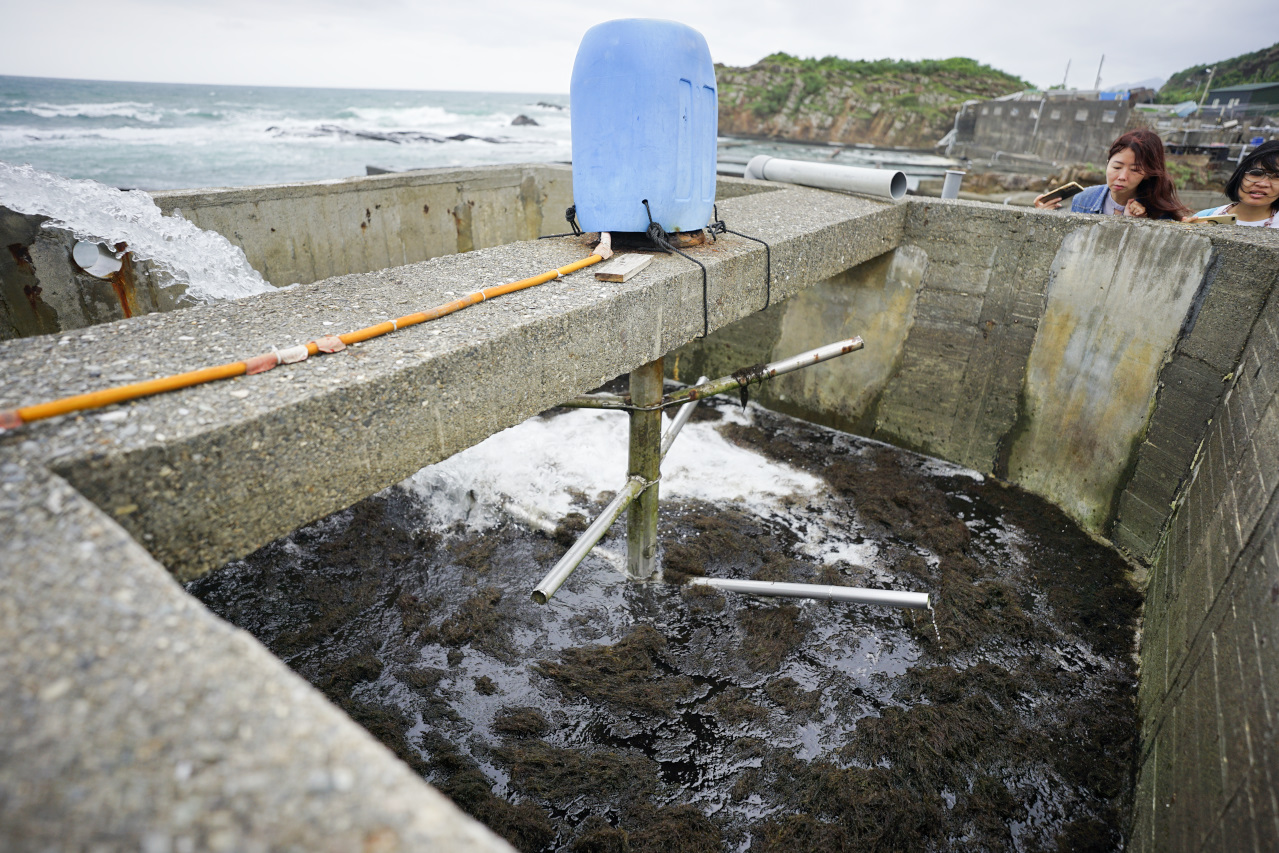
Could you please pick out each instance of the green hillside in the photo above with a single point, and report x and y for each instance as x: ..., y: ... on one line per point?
x: 884, y: 101
x: 1261, y: 66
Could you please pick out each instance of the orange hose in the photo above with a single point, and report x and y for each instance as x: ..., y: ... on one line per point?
x: 123, y: 393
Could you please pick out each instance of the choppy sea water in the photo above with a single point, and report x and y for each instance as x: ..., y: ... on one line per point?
x: 173, y: 136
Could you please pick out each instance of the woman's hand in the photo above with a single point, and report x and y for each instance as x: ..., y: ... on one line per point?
x: 1047, y: 204
x: 1134, y: 208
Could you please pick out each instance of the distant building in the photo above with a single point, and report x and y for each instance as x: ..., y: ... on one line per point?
x: 1059, y: 126
x: 1242, y: 96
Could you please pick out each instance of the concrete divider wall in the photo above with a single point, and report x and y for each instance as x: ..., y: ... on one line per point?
x: 1209, y: 691
x: 290, y: 233
x: 299, y: 233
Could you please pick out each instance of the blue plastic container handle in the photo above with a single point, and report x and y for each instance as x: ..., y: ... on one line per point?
x: 645, y: 117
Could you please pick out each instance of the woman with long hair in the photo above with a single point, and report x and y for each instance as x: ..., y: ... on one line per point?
x: 1253, y: 189
x: 1137, y: 182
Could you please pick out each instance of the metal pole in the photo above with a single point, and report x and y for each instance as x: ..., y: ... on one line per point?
x: 1207, y: 86
x: 750, y: 375
x: 646, y: 463
x: 574, y: 556
x: 681, y: 418
x: 858, y: 595
x: 745, y: 376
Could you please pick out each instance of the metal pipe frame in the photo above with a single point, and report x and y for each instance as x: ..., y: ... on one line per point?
x: 745, y: 376
x: 574, y: 556
x: 821, y: 592
x: 681, y: 418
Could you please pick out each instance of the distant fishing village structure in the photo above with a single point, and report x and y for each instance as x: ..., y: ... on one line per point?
x: 1074, y: 126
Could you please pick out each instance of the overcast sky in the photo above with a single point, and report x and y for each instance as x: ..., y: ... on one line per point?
x: 490, y: 45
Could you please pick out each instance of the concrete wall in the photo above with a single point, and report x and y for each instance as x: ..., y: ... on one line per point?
x: 290, y: 233
x: 43, y: 292
x: 1209, y: 691
x: 1058, y: 130
x: 1128, y: 372
x: 304, y: 232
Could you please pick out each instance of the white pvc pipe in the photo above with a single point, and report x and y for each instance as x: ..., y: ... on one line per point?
x: 857, y: 595
x: 884, y: 183
x: 95, y: 259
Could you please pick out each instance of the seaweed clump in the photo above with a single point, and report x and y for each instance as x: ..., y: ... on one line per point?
x: 771, y: 634
x: 626, y: 675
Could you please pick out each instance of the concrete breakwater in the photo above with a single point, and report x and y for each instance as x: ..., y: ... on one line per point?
x: 1123, y: 370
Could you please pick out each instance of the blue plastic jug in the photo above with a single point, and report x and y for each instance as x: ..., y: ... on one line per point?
x: 645, y: 120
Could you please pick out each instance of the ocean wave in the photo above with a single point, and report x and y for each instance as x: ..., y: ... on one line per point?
x: 408, y: 117
x: 396, y: 137
x: 121, y: 109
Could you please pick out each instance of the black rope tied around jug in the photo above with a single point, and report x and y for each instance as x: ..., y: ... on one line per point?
x: 661, y: 240
x: 718, y: 227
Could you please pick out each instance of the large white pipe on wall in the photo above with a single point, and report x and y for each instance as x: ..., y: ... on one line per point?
x: 884, y: 183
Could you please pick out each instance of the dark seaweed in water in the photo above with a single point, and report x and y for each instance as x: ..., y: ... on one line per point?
x: 638, y: 717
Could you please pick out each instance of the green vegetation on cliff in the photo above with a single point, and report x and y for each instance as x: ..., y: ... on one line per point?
x: 1260, y: 66
x: 883, y: 102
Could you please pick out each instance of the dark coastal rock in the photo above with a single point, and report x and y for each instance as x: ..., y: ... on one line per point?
x: 522, y: 120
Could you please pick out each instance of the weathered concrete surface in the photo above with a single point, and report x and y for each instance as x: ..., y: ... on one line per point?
x: 1208, y: 775
x: 957, y: 386
x: 875, y: 300
x: 308, y: 231
x: 1243, y: 272
x: 133, y: 719
x: 184, y: 472
x: 42, y: 292
x: 1116, y: 306
x: 1077, y: 131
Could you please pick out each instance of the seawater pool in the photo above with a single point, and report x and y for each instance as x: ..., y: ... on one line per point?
x: 657, y: 716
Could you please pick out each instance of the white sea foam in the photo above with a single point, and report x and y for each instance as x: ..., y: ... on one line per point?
x: 537, y: 466
x: 122, y: 109
x: 205, y: 261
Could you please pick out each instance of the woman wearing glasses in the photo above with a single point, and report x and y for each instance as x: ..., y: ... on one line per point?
x: 1253, y: 189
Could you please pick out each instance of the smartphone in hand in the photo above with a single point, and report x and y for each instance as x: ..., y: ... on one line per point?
x: 1062, y: 192
x: 1219, y: 219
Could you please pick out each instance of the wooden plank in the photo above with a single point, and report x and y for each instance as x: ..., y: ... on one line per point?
x: 622, y: 267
